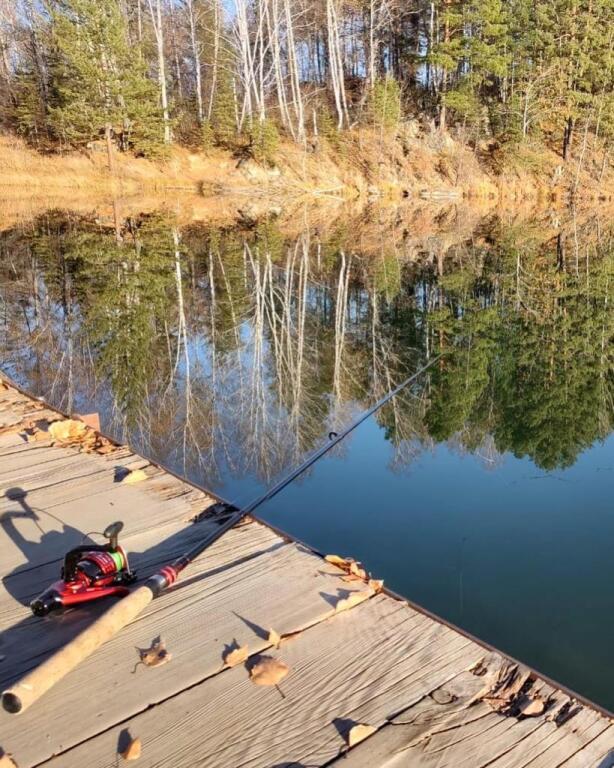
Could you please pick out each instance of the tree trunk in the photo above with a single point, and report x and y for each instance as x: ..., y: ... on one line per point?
x: 156, y: 20
x: 294, y: 76
x: 196, y: 57
x: 335, y: 64
x: 109, y: 143
x: 216, y: 51
x: 444, y: 78
x: 568, y: 138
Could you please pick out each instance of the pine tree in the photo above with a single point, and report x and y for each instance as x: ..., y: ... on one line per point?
x: 264, y: 141
x: 28, y: 113
x: 384, y: 107
x: 99, y: 80
x: 223, y: 119
x: 446, y: 54
x: 475, y: 47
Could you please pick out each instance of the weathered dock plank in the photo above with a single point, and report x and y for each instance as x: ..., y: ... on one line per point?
x: 433, y: 696
x: 350, y: 668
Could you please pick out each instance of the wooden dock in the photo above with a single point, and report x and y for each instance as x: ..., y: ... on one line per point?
x: 428, y: 695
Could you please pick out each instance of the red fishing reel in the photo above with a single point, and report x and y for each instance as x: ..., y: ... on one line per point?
x: 89, y: 572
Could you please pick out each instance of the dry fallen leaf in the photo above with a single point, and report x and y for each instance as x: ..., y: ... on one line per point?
x: 133, y: 750
x: 358, y: 733
x: 6, y: 761
x: 354, y: 598
x: 236, y: 656
x: 268, y: 671
x: 376, y: 585
x: 336, y: 560
x: 356, y: 570
x: 104, y: 449
x: 274, y: 638
x: 67, y: 431
x: 37, y: 435
x: 136, y: 476
x: 533, y: 708
x: 156, y: 655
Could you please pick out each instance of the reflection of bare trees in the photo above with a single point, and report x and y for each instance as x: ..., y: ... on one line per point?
x: 240, y: 352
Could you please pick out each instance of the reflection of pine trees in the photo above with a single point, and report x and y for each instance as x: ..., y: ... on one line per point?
x: 555, y: 374
x: 529, y: 360
x: 229, y: 350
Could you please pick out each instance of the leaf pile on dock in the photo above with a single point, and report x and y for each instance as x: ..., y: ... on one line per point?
x: 67, y: 432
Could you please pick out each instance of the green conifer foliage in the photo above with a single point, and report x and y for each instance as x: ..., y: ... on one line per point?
x: 28, y: 112
x: 264, y: 141
x: 99, y: 79
x: 207, y: 136
x: 385, y: 104
x: 223, y: 117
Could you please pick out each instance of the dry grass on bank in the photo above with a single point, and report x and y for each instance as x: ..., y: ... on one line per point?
x: 361, y: 164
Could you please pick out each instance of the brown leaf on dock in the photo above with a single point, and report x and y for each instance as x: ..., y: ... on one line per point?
x: 342, y: 562
x: 533, y: 707
x: 136, y: 476
x: 274, y: 638
x: 106, y: 448
x: 359, y: 732
x: 268, y: 671
x: 349, y: 565
x: 357, y: 570
x: 6, y: 761
x: 236, y: 655
x: 376, y: 585
x: 36, y: 435
x: 67, y: 431
x: 354, y: 598
x: 133, y: 750
x: 156, y: 654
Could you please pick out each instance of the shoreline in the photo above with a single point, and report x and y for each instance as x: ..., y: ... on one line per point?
x: 362, y: 168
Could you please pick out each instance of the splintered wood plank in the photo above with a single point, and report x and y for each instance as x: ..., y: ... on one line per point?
x: 247, y: 584
x: 451, y: 728
x: 552, y: 743
x: 387, y: 748
x: 598, y: 753
x: 343, y: 671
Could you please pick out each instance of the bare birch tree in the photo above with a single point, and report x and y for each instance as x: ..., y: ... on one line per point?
x: 155, y: 11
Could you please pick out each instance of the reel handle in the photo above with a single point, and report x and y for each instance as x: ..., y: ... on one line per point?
x: 30, y: 688
x: 112, y: 531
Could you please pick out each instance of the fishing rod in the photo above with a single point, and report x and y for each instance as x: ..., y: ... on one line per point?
x: 37, y: 682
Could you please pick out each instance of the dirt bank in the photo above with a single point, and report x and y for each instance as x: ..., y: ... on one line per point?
x: 357, y: 165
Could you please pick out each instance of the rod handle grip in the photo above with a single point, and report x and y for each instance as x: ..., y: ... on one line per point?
x: 37, y: 682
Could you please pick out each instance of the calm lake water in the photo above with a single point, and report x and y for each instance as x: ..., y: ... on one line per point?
x: 483, y: 493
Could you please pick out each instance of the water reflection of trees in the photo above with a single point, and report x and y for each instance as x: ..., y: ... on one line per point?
x: 238, y: 350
